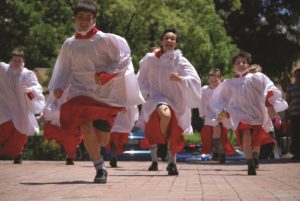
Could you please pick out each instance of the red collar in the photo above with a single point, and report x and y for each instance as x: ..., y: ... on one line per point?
x: 88, y: 35
x: 243, y: 75
x: 157, y: 53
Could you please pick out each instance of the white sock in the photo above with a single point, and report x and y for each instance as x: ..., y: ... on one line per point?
x: 153, y: 151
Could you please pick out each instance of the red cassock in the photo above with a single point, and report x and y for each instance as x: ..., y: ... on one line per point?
x: 82, y: 109
x: 12, y: 139
x: 206, y: 135
x: 155, y: 136
x: 68, y: 139
x: 119, y: 140
x: 258, y: 135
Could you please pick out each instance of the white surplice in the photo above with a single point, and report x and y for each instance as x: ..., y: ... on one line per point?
x: 80, y: 59
x: 15, y: 105
x: 156, y: 86
x: 206, y: 110
x: 244, y: 98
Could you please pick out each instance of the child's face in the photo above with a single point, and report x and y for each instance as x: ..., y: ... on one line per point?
x: 84, y: 20
x: 16, y: 62
x: 213, y: 81
x: 169, y: 42
x: 241, y: 65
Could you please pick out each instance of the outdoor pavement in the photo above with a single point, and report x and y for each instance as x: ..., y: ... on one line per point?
x: 53, y: 180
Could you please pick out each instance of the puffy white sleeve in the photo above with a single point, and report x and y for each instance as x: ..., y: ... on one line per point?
x: 62, y: 70
x: 221, y: 97
x: 271, y: 93
x: 202, y: 107
x: 143, y: 78
x: 36, y: 104
x: 192, y: 82
x: 118, y: 54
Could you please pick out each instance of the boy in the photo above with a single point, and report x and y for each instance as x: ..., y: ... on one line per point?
x: 21, y: 97
x: 97, y: 68
x: 171, y: 87
x: 214, y: 134
x: 246, y: 98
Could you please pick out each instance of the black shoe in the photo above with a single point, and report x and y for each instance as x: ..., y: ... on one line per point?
x: 172, y: 169
x: 18, y: 159
x: 222, y: 158
x: 215, y: 156
x: 69, y: 161
x: 113, y: 162
x: 256, y: 163
x: 153, y: 166
x: 251, y: 167
x: 101, y: 176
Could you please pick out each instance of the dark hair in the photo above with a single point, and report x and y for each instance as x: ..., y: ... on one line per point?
x: 173, y: 30
x: 17, y: 52
x: 242, y: 54
x: 215, y: 72
x: 85, y: 6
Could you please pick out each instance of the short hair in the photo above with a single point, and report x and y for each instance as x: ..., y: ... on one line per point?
x: 85, y: 6
x: 254, y: 68
x: 173, y: 30
x: 17, y: 52
x: 215, y: 72
x: 242, y: 54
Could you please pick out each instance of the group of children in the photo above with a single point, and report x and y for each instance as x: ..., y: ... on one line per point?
x: 94, y: 94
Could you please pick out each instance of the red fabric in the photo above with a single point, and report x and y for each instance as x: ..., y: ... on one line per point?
x: 89, y: 34
x: 158, y: 53
x: 105, y: 77
x: 206, y: 135
x: 119, y: 140
x: 13, y: 141
x: 68, y: 139
x: 258, y: 134
x: 267, y: 103
x: 30, y: 95
x: 144, y: 143
x: 155, y: 136
x: 82, y: 109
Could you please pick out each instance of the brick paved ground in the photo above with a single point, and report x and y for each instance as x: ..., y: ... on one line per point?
x: 52, y: 180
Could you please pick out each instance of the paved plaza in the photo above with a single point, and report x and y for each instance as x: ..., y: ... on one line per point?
x: 54, y: 181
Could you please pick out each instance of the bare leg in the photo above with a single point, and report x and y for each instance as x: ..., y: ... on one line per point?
x: 164, y: 113
x: 90, y: 140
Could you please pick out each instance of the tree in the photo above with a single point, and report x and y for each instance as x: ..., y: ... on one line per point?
x: 39, y: 27
x: 269, y: 29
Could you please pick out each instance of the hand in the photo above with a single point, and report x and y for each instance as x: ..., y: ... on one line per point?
x: 175, y: 77
x: 271, y: 111
x: 58, y: 93
x: 26, y: 89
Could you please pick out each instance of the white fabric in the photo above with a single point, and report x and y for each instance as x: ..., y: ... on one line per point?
x: 156, y: 86
x: 80, y: 59
x: 126, y: 120
x: 14, y: 103
x: 244, y: 98
x: 206, y: 110
x: 51, y: 111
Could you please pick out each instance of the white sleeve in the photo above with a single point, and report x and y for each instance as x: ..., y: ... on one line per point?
x: 62, y: 70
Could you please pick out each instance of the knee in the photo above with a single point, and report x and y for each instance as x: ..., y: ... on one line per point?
x: 164, y: 112
x: 86, y: 128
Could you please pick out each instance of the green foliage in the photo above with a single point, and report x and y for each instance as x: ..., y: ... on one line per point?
x: 39, y: 149
x: 193, y: 139
x: 203, y: 38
